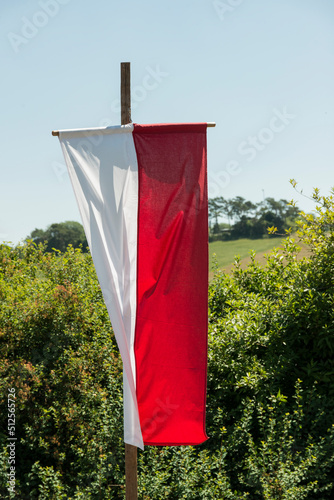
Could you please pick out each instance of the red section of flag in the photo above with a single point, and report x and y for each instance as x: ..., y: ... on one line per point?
x: 172, y: 283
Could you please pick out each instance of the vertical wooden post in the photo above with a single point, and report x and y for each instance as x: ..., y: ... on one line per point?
x: 131, y: 484
x: 125, y: 93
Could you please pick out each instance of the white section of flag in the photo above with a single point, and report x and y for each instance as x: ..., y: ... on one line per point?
x: 104, y: 174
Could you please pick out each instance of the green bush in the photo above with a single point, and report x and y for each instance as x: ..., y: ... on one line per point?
x: 271, y: 337
x: 270, y: 407
x: 59, y: 353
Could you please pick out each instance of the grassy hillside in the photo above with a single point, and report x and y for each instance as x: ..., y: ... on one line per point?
x: 226, y: 251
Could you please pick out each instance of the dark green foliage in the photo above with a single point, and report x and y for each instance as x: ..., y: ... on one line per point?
x: 58, y: 351
x: 59, y: 235
x: 249, y: 220
x: 271, y: 340
x: 270, y: 404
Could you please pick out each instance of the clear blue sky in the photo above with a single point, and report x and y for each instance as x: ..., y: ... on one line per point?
x: 261, y: 69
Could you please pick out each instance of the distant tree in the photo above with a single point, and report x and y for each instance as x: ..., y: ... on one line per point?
x: 248, y: 208
x: 277, y: 213
x: 236, y: 207
x: 59, y: 235
x: 274, y: 206
x: 216, y: 208
x: 282, y: 208
x: 239, y: 207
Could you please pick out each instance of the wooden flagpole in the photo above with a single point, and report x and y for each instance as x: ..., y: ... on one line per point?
x: 125, y: 93
x: 131, y: 482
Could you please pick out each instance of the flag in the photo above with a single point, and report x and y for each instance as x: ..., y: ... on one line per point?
x: 142, y: 196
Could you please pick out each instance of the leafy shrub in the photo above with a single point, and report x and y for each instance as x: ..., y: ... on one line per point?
x: 58, y: 351
x: 270, y: 407
x: 270, y: 328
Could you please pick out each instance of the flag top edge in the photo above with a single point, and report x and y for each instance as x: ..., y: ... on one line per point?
x: 131, y: 127
x: 86, y: 132
x: 158, y: 128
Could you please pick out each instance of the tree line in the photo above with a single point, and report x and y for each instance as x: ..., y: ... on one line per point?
x: 244, y: 220
x: 248, y: 220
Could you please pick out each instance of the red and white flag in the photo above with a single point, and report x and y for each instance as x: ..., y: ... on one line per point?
x: 142, y: 195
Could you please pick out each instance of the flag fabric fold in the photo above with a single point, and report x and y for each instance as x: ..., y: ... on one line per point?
x: 142, y: 196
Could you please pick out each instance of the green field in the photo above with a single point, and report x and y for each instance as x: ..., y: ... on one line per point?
x: 226, y: 251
